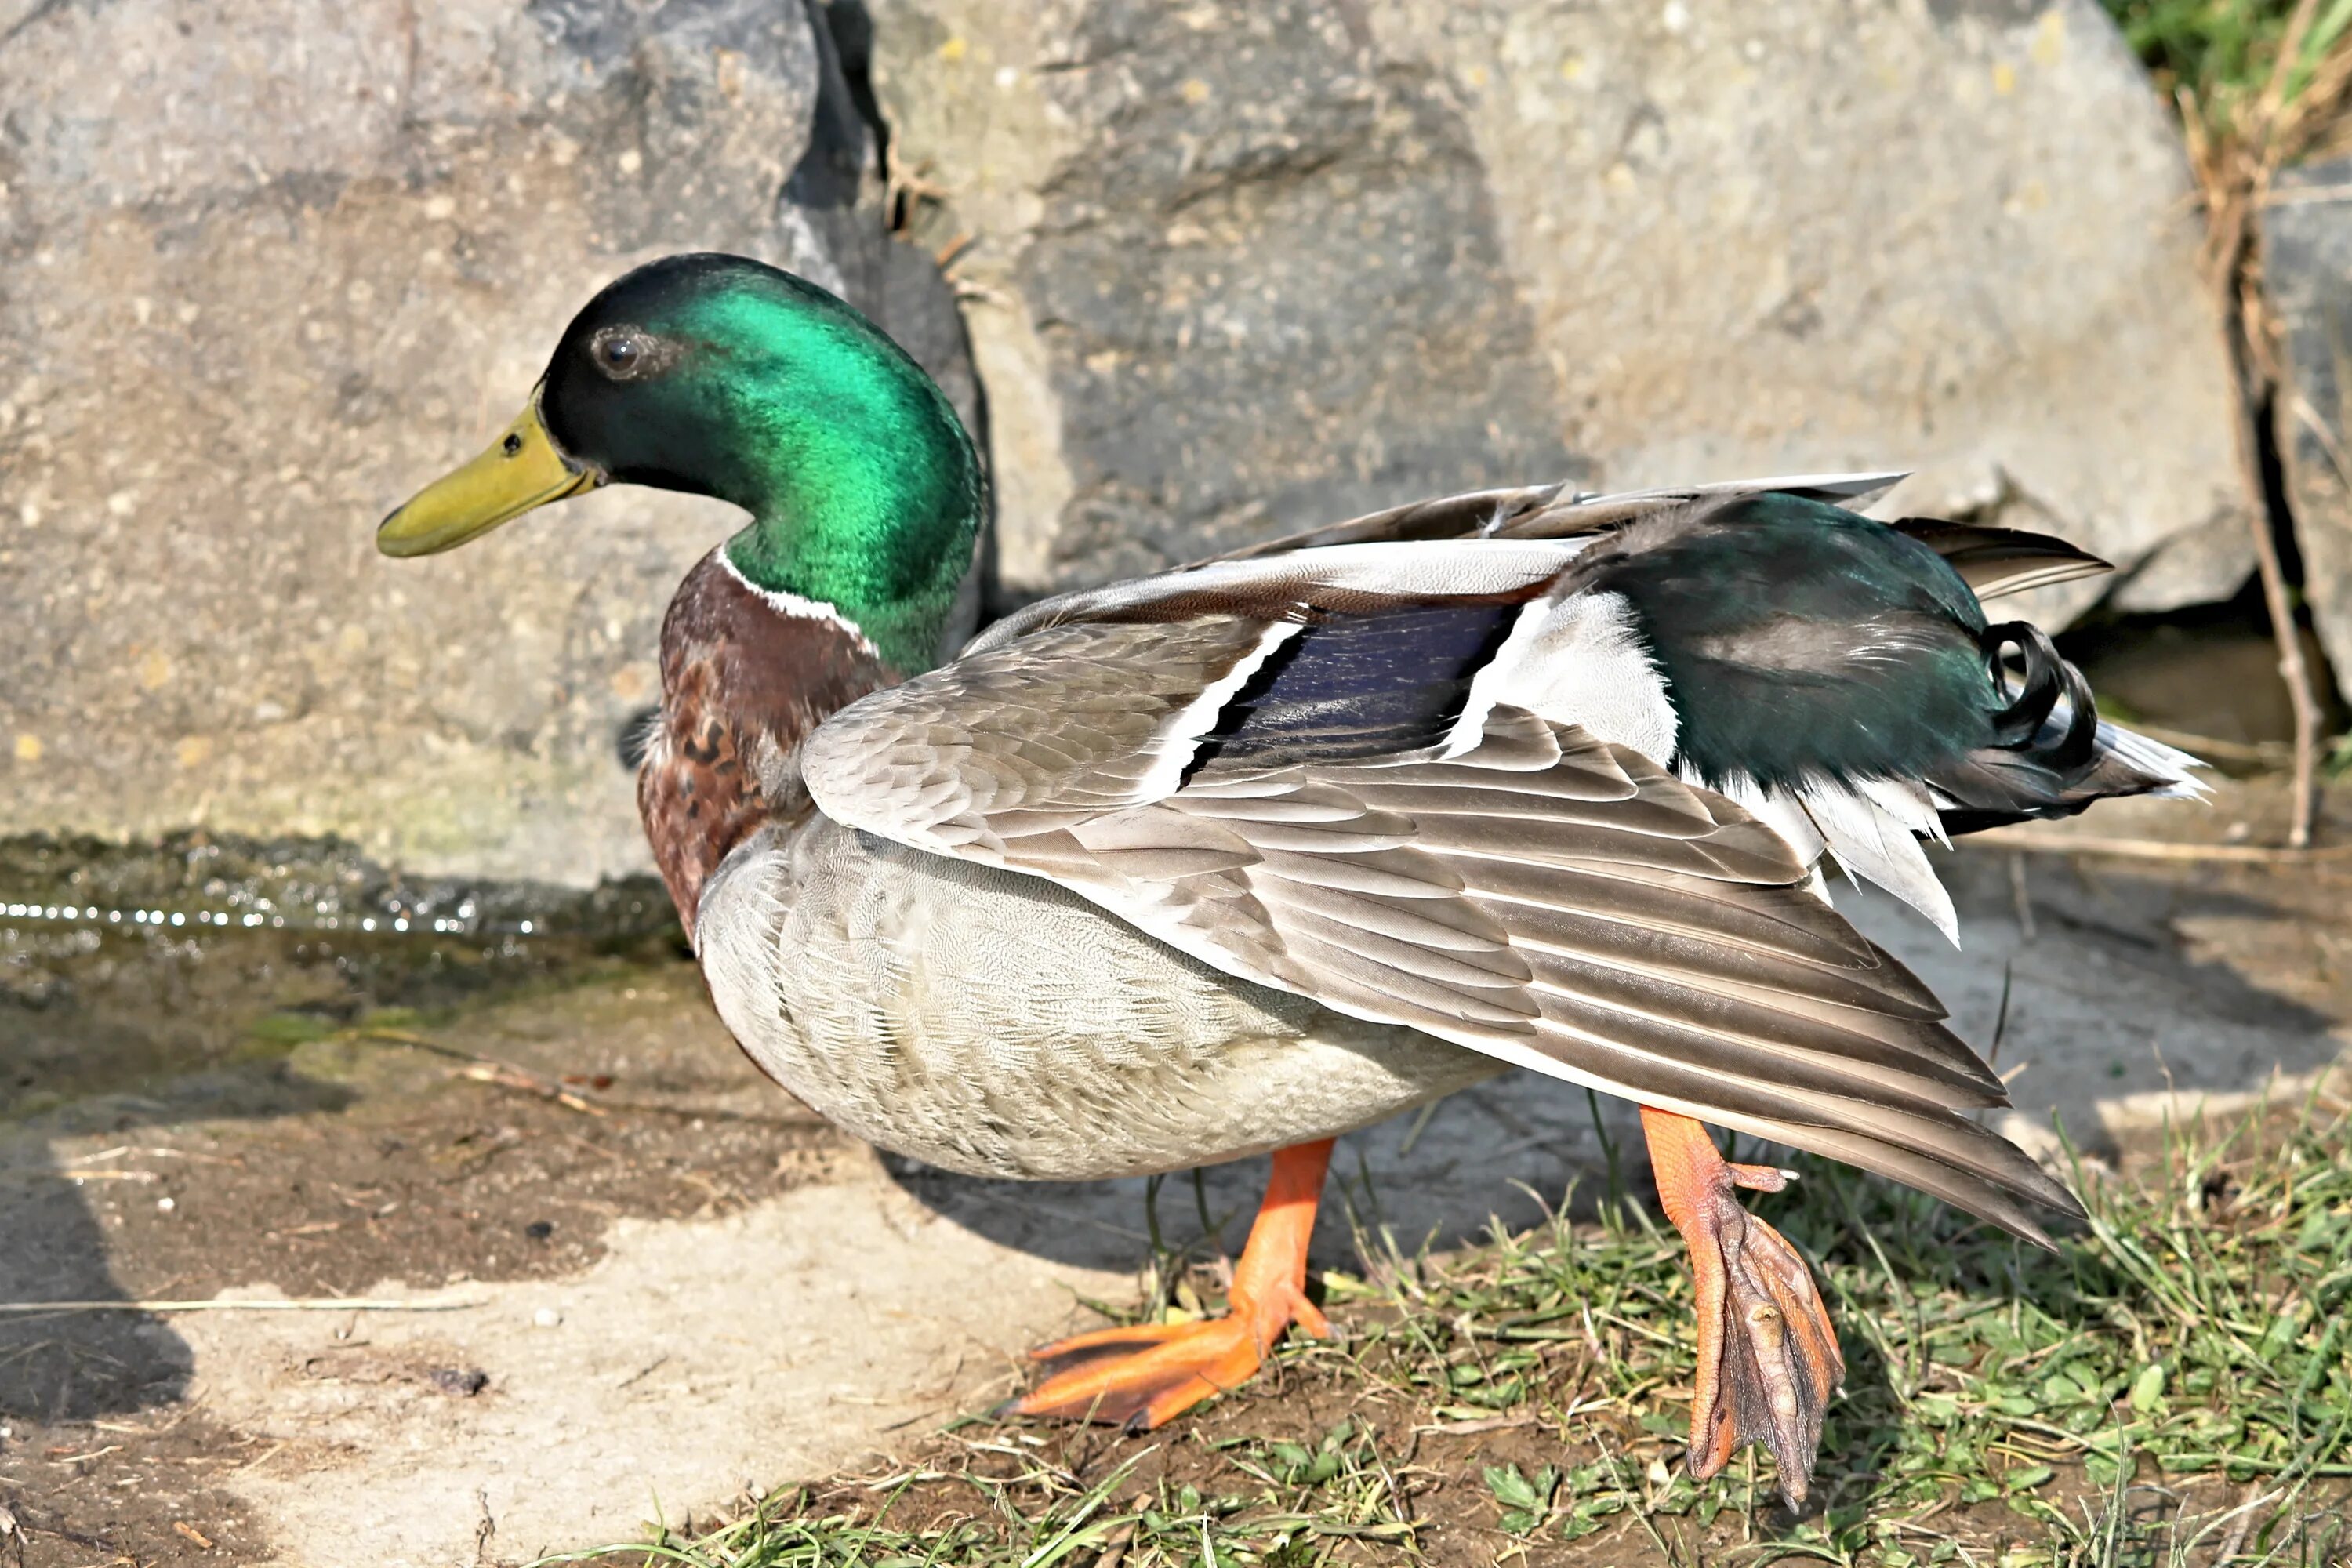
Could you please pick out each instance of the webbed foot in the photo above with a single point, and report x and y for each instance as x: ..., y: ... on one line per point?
x: 1140, y: 1377
x: 1767, y: 1358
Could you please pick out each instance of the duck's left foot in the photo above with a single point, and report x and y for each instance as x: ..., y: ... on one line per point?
x: 1139, y: 1377
x: 1767, y: 1358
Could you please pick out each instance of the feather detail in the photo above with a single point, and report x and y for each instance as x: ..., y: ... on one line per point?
x: 1344, y: 579
x: 1554, y: 511
x: 1995, y: 561
x: 1873, y: 844
x: 1566, y: 904
x: 1907, y: 803
x: 1774, y: 808
x: 1177, y: 745
x: 1575, y: 658
x: 2173, y: 770
x: 2048, y: 753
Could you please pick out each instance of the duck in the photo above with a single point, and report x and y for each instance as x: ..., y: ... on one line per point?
x: 1242, y: 856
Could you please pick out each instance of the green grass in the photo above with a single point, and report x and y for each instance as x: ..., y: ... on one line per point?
x: 2173, y: 1387
x: 2223, y: 51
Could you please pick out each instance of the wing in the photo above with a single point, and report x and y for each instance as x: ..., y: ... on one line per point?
x: 1314, y: 793
x: 1822, y: 669
x: 1554, y: 511
x: 1993, y: 561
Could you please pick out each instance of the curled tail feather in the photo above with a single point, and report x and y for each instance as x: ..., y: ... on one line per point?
x: 2051, y: 754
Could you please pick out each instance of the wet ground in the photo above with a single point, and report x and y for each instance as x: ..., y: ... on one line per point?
x: 623, y: 1275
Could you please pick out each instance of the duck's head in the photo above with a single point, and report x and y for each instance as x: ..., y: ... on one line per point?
x: 726, y: 378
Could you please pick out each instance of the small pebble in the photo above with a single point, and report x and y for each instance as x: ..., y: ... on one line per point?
x: 539, y: 1229
x: 165, y: 1205
x: 547, y: 1316
x: 463, y: 1383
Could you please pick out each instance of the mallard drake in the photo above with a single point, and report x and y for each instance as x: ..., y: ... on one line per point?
x: 1244, y: 855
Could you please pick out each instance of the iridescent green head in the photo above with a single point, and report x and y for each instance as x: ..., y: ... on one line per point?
x: 725, y: 377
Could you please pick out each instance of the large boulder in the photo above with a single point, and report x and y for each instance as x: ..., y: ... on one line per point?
x: 2308, y: 279
x: 1238, y: 268
x: 266, y: 266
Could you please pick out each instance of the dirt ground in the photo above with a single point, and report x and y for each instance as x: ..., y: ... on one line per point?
x: 626, y: 1277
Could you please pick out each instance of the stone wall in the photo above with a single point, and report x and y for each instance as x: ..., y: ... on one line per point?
x: 1227, y: 269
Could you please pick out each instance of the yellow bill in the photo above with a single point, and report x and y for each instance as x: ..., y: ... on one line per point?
x: 521, y: 470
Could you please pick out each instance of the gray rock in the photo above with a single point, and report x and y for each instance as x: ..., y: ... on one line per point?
x: 266, y: 266
x: 1259, y: 275
x: 2307, y: 281
x: 1241, y: 268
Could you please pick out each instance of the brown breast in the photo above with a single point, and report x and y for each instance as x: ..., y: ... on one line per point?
x: 744, y: 682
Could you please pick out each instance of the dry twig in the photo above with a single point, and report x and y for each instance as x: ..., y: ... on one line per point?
x: 296, y: 1304
x: 2235, y: 170
x: 2040, y: 842
x: 487, y: 1069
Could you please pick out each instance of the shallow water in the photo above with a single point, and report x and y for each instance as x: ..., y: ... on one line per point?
x: 122, y: 966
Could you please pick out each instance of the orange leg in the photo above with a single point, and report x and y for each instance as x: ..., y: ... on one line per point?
x: 1142, y: 1376
x: 1767, y: 1358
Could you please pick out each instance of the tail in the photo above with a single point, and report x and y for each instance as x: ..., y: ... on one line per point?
x: 2051, y: 754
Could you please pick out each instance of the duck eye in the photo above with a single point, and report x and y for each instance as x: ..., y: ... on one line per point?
x: 620, y: 352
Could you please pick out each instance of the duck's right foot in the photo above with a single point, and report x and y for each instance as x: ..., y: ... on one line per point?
x: 1768, y: 1357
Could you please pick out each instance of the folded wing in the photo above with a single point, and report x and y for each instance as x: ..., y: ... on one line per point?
x: 1308, y: 791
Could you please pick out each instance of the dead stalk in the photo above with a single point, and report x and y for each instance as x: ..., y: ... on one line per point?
x: 2235, y: 171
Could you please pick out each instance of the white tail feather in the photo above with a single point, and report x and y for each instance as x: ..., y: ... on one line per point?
x: 2167, y: 762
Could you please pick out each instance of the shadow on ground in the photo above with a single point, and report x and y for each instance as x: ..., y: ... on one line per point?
x: 78, y: 1363
x: 146, y: 989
